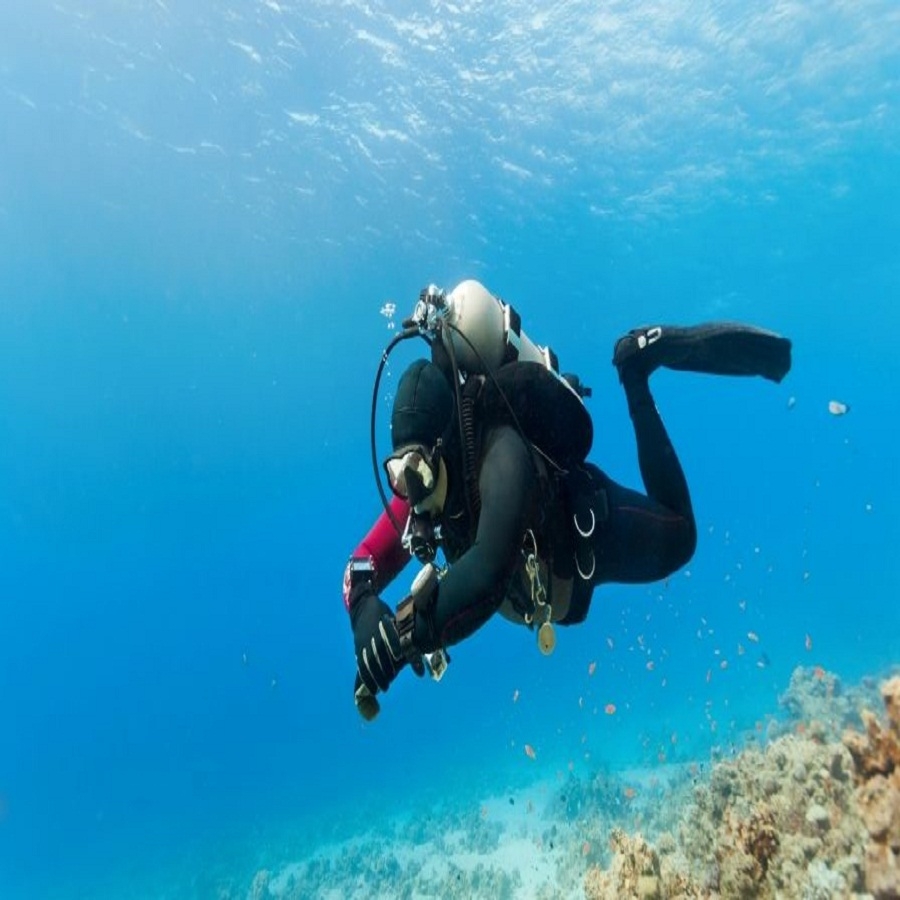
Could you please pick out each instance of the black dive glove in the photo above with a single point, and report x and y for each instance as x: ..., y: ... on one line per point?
x: 377, y: 643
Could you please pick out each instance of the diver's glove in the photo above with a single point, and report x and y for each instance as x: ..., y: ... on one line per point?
x: 378, y: 654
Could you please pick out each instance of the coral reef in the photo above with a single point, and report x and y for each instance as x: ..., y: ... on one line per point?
x: 805, y: 818
x: 813, y: 814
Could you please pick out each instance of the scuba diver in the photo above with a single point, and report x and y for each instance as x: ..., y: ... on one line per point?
x: 489, y: 466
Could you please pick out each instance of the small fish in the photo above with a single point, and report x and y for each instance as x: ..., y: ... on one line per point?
x: 753, y: 636
x: 836, y: 408
x: 244, y: 658
x: 629, y: 793
x: 592, y: 668
x: 708, y: 676
x: 792, y: 402
x: 610, y: 709
x: 762, y: 662
x: 516, y: 695
x: 609, y: 643
x: 819, y: 673
x: 530, y: 752
x: 807, y: 642
x: 650, y: 665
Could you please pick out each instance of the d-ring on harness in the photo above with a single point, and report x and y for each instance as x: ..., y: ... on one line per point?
x: 588, y: 509
x: 585, y: 534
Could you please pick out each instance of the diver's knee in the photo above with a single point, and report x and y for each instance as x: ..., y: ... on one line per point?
x: 688, y: 545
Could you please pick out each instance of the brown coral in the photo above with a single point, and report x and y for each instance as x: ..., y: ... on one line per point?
x: 876, y: 760
x: 634, y: 871
x: 759, y: 838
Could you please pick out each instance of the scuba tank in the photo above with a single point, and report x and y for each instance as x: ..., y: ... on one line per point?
x: 484, y: 332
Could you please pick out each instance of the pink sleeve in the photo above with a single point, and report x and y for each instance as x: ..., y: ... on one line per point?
x: 382, y: 545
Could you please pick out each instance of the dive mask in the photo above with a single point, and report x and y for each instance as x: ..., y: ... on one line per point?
x: 412, y: 473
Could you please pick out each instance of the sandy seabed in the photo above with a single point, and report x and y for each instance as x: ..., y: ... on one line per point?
x: 811, y: 811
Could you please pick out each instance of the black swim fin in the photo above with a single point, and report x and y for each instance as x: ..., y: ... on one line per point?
x: 716, y: 348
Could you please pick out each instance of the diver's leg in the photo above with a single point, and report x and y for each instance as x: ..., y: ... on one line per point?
x: 641, y: 540
x: 646, y: 537
x: 661, y: 471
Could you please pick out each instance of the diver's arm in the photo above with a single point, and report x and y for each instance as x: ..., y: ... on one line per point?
x: 380, y: 553
x: 471, y: 592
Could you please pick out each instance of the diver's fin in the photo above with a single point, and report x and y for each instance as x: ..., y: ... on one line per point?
x: 716, y: 348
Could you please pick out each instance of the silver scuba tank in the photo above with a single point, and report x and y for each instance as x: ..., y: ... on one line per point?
x: 487, y: 333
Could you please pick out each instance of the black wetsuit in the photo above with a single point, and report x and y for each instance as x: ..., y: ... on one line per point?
x: 640, y: 538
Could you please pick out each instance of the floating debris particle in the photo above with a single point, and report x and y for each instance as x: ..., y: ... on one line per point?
x: 792, y: 402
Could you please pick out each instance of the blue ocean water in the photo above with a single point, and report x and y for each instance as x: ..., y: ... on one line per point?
x: 204, y: 208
